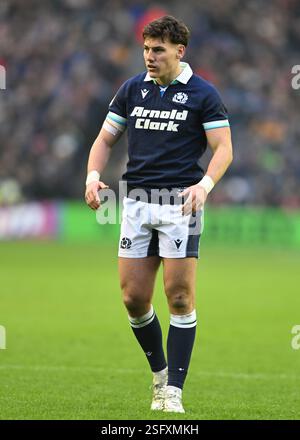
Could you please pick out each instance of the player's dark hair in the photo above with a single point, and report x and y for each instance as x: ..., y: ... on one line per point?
x: 167, y: 28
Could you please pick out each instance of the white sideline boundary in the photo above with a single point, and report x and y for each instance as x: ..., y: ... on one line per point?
x: 87, y: 369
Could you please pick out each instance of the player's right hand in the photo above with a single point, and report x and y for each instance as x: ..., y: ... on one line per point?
x: 91, y: 194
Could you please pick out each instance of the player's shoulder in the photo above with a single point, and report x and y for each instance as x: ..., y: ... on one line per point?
x: 204, y: 87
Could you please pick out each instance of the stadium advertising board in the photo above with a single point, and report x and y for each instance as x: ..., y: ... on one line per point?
x: 29, y: 220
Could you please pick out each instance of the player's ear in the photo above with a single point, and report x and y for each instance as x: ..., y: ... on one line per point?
x: 180, y: 51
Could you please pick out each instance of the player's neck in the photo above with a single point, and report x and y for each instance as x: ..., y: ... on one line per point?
x: 167, y: 79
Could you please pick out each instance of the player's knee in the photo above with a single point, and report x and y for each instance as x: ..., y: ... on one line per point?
x: 133, y: 302
x: 179, y: 302
x: 179, y: 298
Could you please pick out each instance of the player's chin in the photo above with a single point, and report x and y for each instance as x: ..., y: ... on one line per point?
x: 153, y: 73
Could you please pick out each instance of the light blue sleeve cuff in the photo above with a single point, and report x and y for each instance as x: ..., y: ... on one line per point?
x: 216, y: 124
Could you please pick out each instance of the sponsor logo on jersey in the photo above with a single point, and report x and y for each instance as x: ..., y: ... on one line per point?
x: 145, y: 119
x: 180, y: 98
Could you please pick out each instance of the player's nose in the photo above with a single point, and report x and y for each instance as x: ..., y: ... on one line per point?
x: 149, y: 56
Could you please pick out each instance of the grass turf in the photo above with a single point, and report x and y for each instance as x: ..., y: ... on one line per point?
x: 71, y: 354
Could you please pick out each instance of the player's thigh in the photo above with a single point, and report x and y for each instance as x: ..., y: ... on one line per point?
x: 179, y: 276
x: 179, y: 235
x: 137, y: 276
x: 137, y: 238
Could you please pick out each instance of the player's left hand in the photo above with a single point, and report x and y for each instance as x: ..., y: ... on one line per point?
x: 196, y: 198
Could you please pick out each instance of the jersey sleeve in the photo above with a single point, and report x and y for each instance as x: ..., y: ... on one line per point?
x: 214, y: 113
x: 116, y: 118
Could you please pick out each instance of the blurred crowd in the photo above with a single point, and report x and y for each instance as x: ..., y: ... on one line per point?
x: 65, y: 59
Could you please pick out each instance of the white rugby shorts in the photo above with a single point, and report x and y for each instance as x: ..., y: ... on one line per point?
x: 150, y: 229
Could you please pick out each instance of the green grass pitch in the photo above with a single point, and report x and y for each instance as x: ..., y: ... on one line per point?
x: 72, y: 355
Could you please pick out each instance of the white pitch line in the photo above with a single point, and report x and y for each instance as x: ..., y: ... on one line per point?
x: 232, y: 375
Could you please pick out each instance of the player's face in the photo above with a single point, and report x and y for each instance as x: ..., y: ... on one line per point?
x: 162, y: 58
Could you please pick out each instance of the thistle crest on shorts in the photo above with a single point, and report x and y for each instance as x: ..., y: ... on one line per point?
x: 125, y: 243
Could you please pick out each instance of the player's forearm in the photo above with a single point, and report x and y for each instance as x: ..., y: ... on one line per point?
x: 99, y: 155
x: 220, y: 162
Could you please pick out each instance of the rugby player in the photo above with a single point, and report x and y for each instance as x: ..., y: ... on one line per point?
x: 170, y: 115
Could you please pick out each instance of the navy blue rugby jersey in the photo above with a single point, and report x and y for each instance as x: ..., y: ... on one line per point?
x: 166, y: 128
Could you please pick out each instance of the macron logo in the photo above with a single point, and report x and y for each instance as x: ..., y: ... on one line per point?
x: 145, y: 119
x: 178, y: 243
x: 144, y: 92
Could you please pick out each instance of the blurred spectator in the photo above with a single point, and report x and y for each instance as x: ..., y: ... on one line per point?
x: 65, y: 60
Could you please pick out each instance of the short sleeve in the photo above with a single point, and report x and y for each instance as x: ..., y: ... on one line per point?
x: 214, y: 113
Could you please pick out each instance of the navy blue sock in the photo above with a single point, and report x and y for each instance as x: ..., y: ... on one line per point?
x: 148, y: 333
x: 180, y: 344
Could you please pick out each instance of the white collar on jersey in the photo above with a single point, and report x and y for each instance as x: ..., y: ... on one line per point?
x: 183, y: 77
